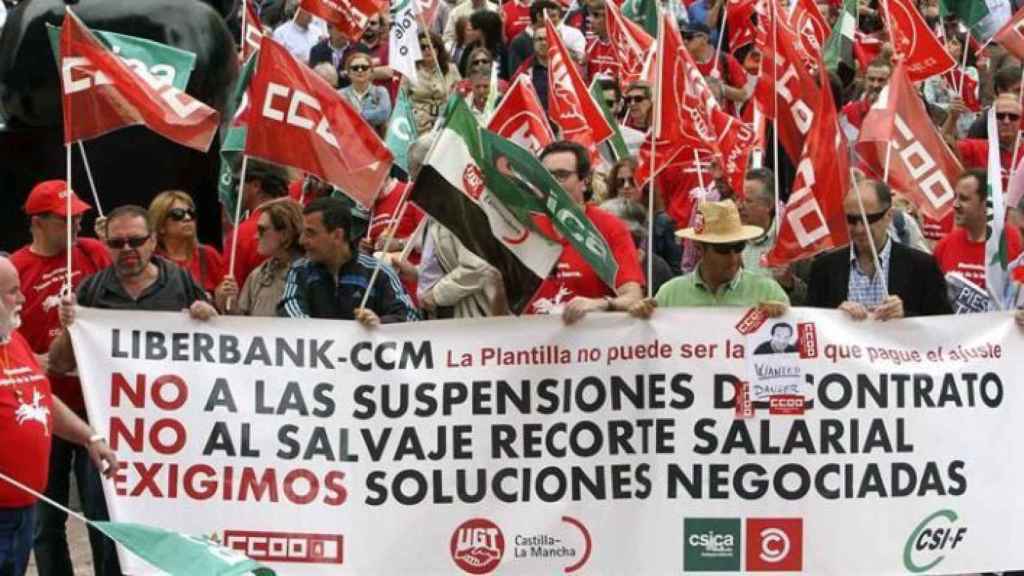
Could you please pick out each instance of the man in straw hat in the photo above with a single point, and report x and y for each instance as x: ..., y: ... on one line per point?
x: 719, y: 278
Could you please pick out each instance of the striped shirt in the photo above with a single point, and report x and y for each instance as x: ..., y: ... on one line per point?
x: 869, y: 290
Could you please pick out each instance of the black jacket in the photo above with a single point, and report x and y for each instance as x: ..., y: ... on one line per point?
x: 914, y: 276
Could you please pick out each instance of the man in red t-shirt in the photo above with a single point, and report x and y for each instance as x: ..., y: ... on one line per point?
x: 42, y: 266
x: 963, y: 250
x: 29, y: 417
x: 725, y: 69
x: 263, y: 182
x: 973, y: 152
x: 573, y: 288
x: 601, y: 57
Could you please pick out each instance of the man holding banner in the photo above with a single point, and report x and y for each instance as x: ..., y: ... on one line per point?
x: 29, y: 417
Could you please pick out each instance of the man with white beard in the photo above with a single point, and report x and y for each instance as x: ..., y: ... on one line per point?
x: 29, y: 415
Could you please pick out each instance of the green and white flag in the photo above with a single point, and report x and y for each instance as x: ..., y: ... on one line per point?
x: 232, y: 146
x: 451, y: 188
x: 997, y: 258
x: 644, y: 13
x: 404, y: 42
x: 838, y: 49
x: 617, y: 143
x: 166, y: 63
x: 178, y: 554
x: 983, y: 17
x: 401, y: 131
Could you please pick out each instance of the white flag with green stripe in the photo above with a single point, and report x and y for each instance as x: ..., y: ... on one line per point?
x: 997, y: 259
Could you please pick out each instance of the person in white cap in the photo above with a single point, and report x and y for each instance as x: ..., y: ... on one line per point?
x: 719, y: 278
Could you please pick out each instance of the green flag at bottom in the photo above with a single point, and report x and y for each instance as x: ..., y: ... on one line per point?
x: 181, y: 555
x: 401, y: 131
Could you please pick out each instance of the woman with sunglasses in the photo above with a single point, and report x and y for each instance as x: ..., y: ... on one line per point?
x: 172, y: 214
x: 372, y: 101
x: 481, y: 60
x: 279, y: 227
x: 429, y: 93
x: 621, y: 184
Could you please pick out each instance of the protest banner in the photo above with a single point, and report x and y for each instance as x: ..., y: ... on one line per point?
x: 524, y: 446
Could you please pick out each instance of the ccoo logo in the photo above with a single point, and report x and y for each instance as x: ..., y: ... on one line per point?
x: 477, y: 546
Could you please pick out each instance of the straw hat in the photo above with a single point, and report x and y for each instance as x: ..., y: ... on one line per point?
x: 719, y: 223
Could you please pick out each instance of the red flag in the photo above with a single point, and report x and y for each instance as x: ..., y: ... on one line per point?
x: 791, y: 84
x: 810, y: 26
x: 920, y: 164
x: 350, y: 16
x: 299, y: 120
x: 1011, y: 35
x: 968, y: 87
x: 252, y: 30
x: 739, y: 23
x: 520, y: 117
x: 866, y: 47
x: 814, y: 219
x: 632, y: 44
x: 101, y: 94
x: 915, y: 44
x: 570, y: 105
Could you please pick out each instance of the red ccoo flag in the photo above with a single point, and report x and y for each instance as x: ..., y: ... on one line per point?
x: 739, y: 23
x: 810, y: 26
x: 814, y: 219
x: 252, y: 30
x: 299, y: 120
x: 915, y: 43
x: 101, y: 94
x: 520, y: 117
x: 350, y: 16
x: 920, y: 164
x: 631, y: 42
x: 570, y: 105
x: 1011, y: 35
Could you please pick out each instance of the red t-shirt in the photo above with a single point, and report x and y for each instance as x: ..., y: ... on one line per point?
x: 248, y: 256
x: 26, y: 422
x: 933, y: 229
x: 974, y: 154
x: 206, y: 266
x: 516, y: 18
x: 42, y: 278
x: 601, y: 59
x: 572, y: 276
x: 957, y: 253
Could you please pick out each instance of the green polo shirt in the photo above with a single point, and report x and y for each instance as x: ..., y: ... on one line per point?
x: 746, y: 289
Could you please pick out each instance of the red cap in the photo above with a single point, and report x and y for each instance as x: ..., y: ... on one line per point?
x: 49, y: 197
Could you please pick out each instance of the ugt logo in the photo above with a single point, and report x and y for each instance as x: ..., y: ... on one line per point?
x: 931, y: 537
x: 477, y: 546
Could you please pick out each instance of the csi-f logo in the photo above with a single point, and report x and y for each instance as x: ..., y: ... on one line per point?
x: 285, y: 104
x: 477, y: 546
x: 935, y: 534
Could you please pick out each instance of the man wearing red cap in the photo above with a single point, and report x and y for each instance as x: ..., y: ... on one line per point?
x: 42, y: 266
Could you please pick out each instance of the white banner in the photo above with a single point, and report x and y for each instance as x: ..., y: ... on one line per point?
x: 522, y: 446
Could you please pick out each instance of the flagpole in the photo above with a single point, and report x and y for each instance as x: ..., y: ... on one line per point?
x: 888, y: 155
x: 92, y: 183
x: 655, y: 126
x: 721, y: 35
x: 67, y: 219
x: 775, y: 128
x: 389, y: 235
x: 963, y: 67
x: 238, y: 222
x: 245, y: 9
x: 1016, y: 143
x: 867, y: 230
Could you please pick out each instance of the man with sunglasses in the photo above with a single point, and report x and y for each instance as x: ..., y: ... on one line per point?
x: 719, y: 278
x: 973, y: 152
x: 42, y: 268
x: 905, y: 283
x: 135, y: 281
x: 639, y: 106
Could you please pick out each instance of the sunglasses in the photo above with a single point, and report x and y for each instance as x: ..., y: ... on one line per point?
x: 630, y: 100
x: 563, y: 175
x: 854, y: 219
x: 181, y: 214
x: 358, y: 68
x: 132, y: 241
x: 731, y: 248
x: 481, y: 62
x: 1002, y: 116
x: 623, y: 182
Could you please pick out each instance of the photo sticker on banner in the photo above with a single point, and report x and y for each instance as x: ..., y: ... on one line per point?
x: 711, y: 544
x: 774, y: 364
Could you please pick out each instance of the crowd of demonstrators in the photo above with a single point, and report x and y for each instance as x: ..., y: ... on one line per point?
x: 302, y: 250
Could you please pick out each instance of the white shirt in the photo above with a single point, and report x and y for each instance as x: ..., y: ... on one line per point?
x: 296, y: 40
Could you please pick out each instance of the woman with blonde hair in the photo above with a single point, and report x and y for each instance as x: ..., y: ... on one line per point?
x: 172, y: 215
x: 278, y: 228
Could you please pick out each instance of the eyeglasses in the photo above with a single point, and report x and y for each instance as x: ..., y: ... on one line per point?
x: 133, y: 241
x: 854, y: 219
x: 358, y: 68
x: 181, y: 214
x: 1003, y: 116
x: 562, y: 175
x: 630, y: 100
x: 731, y: 248
x: 481, y: 62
